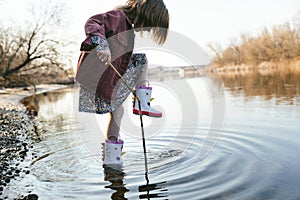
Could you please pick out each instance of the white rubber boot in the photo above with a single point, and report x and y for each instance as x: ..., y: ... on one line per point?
x: 144, y: 92
x: 112, y: 152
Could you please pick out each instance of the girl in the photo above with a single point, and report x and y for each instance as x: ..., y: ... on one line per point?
x: 110, y: 36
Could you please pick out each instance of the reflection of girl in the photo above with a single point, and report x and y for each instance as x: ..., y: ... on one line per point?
x: 115, y: 176
x: 105, y: 33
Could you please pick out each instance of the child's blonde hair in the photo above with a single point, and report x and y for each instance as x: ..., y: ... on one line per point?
x: 147, y: 14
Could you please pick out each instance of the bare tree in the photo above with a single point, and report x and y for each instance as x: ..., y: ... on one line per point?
x: 25, y: 49
x: 280, y: 44
x: 217, y: 51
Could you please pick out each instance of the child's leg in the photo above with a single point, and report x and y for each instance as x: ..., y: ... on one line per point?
x: 112, y: 148
x: 114, y: 123
x: 144, y: 73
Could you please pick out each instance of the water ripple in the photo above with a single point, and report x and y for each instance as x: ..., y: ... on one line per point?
x: 239, y: 165
x: 243, y: 162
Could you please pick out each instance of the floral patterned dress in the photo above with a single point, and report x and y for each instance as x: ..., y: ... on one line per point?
x: 88, y: 102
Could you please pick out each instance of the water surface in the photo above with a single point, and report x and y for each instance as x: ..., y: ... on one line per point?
x: 256, y: 155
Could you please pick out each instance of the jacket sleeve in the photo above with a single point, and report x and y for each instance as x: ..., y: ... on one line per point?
x: 100, y: 27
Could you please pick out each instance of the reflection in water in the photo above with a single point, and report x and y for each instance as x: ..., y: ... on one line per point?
x: 159, y: 189
x: 148, y: 191
x: 115, y: 176
x: 32, y: 104
x: 285, y: 87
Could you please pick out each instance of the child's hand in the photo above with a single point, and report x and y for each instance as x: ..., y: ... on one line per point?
x: 104, y: 55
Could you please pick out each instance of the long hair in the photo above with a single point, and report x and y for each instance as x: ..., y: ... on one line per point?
x: 149, y: 15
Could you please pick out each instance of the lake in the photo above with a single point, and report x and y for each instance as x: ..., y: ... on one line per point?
x: 223, y: 137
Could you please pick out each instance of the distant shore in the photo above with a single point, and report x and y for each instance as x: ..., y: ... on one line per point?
x: 263, y: 68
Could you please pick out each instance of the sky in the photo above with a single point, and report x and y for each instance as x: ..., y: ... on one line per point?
x: 202, y: 21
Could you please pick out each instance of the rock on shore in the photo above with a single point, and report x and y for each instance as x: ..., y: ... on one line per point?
x: 17, y: 129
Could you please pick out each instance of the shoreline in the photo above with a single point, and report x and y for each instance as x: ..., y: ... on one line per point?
x: 15, y: 95
x: 18, y: 132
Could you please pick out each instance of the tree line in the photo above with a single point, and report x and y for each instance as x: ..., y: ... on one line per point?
x: 280, y: 44
x: 30, y: 53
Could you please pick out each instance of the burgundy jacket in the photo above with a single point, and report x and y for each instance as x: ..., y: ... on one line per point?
x: 116, y: 27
